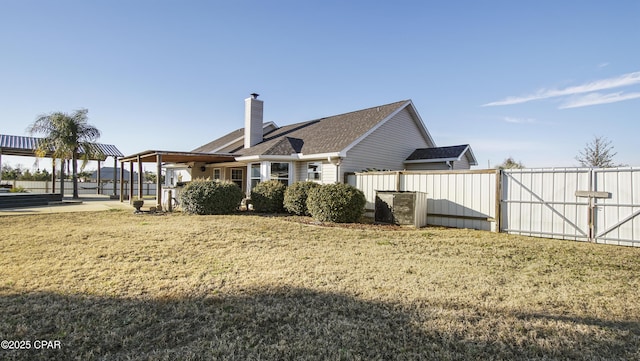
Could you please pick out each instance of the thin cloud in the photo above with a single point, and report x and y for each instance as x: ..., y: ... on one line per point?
x: 610, y: 83
x: 514, y: 120
x: 598, y: 98
x: 602, y: 65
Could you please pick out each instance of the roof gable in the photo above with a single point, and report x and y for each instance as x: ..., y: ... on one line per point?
x: 441, y: 154
x: 325, y: 135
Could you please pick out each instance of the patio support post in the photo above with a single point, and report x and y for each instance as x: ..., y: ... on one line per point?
x: 121, y: 181
x: 139, y: 178
x: 62, y: 177
x: 159, y: 181
x: 99, y: 180
x: 53, y: 175
x: 131, y: 183
x: 115, y: 178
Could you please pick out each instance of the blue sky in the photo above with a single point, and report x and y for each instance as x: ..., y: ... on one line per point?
x: 534, y: 80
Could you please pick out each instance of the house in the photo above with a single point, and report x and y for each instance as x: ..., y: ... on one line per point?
x: 385, y: 137
x: 106, y: 174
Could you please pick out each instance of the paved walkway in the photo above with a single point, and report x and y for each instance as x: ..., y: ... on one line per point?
x: 84, y: 204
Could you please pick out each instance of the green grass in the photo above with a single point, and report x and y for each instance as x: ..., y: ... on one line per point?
x: 113, y: 285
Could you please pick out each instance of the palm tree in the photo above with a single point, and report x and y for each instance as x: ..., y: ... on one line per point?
x: 67, y: 136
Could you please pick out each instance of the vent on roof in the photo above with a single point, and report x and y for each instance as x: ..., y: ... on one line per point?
x: 252, y: 120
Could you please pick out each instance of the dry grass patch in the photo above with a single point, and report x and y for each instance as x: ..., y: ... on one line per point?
x: 113, y: 285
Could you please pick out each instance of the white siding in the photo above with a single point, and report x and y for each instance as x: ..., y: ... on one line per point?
x: 387, y: 147
x: 427, y: 166
x: 299, y: 171
x: 329, y: 173
x: 462, y: 163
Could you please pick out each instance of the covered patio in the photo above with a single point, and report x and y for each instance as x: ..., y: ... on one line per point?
x: 16, y: 145
x: 160, y: 157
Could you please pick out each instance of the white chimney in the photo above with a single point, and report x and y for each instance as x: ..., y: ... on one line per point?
x: 252, y: 120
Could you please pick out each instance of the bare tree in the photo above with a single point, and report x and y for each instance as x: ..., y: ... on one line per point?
x: 598, y: 154
x: 510, y: 163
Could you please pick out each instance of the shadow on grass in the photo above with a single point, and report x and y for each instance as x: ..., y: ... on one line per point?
x: 284, y: 324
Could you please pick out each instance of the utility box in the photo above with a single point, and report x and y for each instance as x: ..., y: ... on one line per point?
x: 401, y: 208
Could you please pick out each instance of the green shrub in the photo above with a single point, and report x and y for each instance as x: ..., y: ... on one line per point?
x: 268, y: 197
x: 340, y: 203
x: 295, y: 197
x: 210, y: 197
x: 18, y: 189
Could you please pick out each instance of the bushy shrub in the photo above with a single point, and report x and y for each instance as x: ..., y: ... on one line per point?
x: 210, y: 197
x: 340, y: 203
x: 268, y: 197
x: 295, y: 197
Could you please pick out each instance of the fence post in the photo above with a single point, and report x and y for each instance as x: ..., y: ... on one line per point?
x: 398, y: 181
x: 498, y: 200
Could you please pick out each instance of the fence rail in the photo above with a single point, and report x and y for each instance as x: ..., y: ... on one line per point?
x: 582, y: 204
x: 83, y: 187
x: 460, y: 199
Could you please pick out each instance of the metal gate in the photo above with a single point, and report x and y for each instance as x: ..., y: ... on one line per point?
x: 616, y: 215
x: 596, y: 205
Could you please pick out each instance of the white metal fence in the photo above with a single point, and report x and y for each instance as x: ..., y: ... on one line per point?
x: 83, y: 187
x: 582, y: 204
x: 461, y: 199
x: 598, y: 205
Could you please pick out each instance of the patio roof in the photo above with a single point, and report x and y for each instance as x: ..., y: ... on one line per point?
x: 26, y: 146
x: 178, y: 157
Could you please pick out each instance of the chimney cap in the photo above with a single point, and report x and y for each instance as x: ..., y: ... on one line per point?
x: 254, y: 95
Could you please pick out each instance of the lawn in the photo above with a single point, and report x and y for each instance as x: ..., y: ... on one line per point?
x: 117, y: 286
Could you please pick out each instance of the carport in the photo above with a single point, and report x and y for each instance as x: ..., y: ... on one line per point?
x: 159, y: 157
x: 17, y: 145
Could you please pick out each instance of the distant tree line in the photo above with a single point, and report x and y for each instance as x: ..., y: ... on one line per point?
x: 20, y: 173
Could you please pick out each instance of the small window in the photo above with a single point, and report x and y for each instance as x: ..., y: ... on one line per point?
x: 237, y: 175
x: 217, y: 175
x: 314, y: 171
x: 255, y: 174
x: 280, y: 172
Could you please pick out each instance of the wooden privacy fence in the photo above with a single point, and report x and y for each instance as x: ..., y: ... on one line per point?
x: 582, y: 204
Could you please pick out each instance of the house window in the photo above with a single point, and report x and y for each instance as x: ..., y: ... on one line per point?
x: 314, y: 171
x: 255, y: 174
x: 280, y: 172
x: 237, y: 175
x: 216, y: 174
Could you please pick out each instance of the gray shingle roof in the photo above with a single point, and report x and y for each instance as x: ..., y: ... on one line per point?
x: 437, y: 153
x: 21, y: 145
x: 212, y: 146
x: 324, y: 135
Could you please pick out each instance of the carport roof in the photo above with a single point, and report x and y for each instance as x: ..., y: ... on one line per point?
x: 178, y: 157
x: 26, y: 146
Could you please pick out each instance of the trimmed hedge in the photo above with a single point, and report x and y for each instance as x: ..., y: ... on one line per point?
x: 340, y: 203
x: 268, y: 197
x: 295, y: 197
x: 210, y: 197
